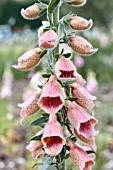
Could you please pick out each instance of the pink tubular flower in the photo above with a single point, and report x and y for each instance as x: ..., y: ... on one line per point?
x: 81, y: 46
x: 51, y: 99
x: 31, y: 12
x: 48, y: 40
x: 35, y: 147
x: 53, y: 139
x: 83, y: 160
x: 29, y: 59
x: 80, y: 24
x: 82, y: 123
x: 80, y: 80
x: 65, y: 69
x: 84, y: 99
x: 30, y: 106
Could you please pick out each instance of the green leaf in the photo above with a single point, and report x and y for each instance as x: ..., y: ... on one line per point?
x: 39, y: 122
x: 53, y: 4
x: 46, y: 75
x: 43, y: 53
x: 46, y: 163
x: 36, y: 137
x: 67, y: 55
x: 40, y: 86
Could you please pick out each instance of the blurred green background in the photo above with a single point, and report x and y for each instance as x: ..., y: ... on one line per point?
x: 17, y: 36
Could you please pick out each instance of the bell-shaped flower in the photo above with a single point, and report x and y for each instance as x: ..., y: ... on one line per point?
x: 78, y: 3
x: 53, y: 139
x: 80, y: 24
x: 82, y: 123
x: 30, y: 106
x: 51, y: 99
x: 65, y: 47
x: 31, y: 12
x: 83, y: 98
x: 82, y: 46
x: 78, y: 155
x: 80, y: 80
x: 48, y: 40
x: 35, y: 147
x: 29, y: 59
x: 65, y: 69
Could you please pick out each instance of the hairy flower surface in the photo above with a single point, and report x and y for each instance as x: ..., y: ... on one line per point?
x: 84, y: 99
x: 53, y: 139
x: 48, y: 40
x: 80, y: 80
x: 51, y: 99
x: 83, y: 160
x: 65, y: 69
x: 82, y: 123
x: 31, y: 12
x: 29, y: 59
x: 82, y: 46
x: 80, y: 24
x: 30, y: 106
x: 35, y: 147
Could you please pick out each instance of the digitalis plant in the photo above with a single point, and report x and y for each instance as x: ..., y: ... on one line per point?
x: 65, y: 103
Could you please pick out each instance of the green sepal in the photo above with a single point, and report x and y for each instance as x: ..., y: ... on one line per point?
x: 67, y: 55
x: 36, y: 137
x: 46, y: 75
x: 40, y: 86
x: 71, y: 99
x: 43, y: 53
x: 39, y: 122
x: 70, y: 81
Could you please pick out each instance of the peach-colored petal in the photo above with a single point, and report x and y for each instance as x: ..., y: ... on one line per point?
x: 30, y: 106
x: 83, y: 160
x: 29, y: 59
x: 48, y: 40
x: 31, y: 12
x: 84, y: 99
x: 81, y: 46
x: 79, y: 23
x: 53, y: 139
x: 80, y: 80
x: 37, y: 153
x: 51, y: 99
x: 33, y: 145
x: 78, y: 3
x: 65, y: 69
x: 82, y: 123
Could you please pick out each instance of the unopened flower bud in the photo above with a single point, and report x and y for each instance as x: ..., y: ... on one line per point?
x: 31, y: 12
x: 48, y: 40
x: 29, y: 59
x: 82, y: 46
x: 79, y: 23
x: 78, y: 3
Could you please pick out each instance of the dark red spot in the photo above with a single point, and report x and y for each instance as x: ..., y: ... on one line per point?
x: 51, y: 101
x: 53, y: 140
x: 67, y: 74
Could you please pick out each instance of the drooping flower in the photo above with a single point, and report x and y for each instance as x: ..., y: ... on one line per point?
x: 35, y: 147
x: 51, y: 99
x: 31, y: 12
x: 84, y: 99
x: 29, y: 59
x: 81, y: 46
x: 30, y: 106
x: 53, y: 139
x: 48, y: 40
x: 80, y: 24
x: 80, y: 80
x: 83, y: 160
x: 82, y: 123
x: 65, y: 69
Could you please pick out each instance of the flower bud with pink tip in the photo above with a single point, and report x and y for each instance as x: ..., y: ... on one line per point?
x: 53, y: 139
x: 29, y: 59
x: 30, y: 106
x: 84, y: 99
x: 80, y: 24
x: 51, y: 99
x: 82, y: 46
x: 78, y: 3
x: 82, y: 123
x: 65, y: 69
x: 48, y: 40
x: 78, y: 155
x: 31, y: 12
x: 35, y: 147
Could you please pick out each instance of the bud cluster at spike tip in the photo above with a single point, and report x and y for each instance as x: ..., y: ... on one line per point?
x: 63, y: 100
